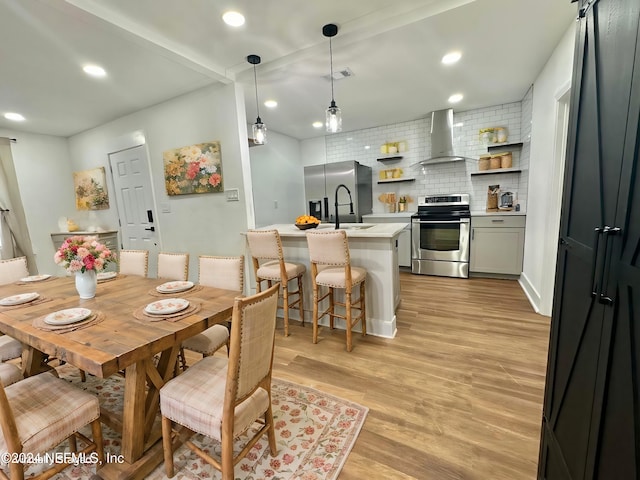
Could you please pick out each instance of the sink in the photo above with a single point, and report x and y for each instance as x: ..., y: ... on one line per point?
x: 356, y: 226
x: 347, y: 226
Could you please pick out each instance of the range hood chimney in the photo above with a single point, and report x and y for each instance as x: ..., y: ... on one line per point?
x: 441, y: 138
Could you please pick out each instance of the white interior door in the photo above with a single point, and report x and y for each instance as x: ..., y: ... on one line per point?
x: 132, y: 182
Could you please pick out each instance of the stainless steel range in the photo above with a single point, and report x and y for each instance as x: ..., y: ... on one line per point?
x: 440, y: 236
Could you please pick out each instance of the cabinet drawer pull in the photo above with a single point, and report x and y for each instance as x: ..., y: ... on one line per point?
x: 495, y: 220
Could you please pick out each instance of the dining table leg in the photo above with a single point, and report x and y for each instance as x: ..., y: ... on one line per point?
x: 134, y: 411
x: 33, y: 362
x: 143, y: 381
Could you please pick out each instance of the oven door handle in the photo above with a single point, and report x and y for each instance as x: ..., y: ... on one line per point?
x: 462, y: 220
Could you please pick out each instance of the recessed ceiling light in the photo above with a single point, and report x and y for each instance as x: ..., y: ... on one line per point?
x: 455, y: 98
x: 459, y: 124
x: 16, y: 117
x: 94, y: 71
x: 318, y: 124
x: 270, y: 104
x: 234, y: 19
x: 451, y: 58
x: 367, y: 147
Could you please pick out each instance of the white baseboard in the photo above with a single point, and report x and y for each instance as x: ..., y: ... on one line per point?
x: 530, y: 291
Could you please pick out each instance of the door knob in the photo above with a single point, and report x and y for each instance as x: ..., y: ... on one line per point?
x: 151, y: 229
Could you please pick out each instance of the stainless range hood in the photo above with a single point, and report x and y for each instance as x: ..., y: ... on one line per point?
x: 442, y: 138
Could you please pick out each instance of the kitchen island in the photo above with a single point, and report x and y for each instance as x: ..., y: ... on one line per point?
x: 373, y: 247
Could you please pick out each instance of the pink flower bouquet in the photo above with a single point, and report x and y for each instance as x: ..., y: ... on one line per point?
x: 79, y: 254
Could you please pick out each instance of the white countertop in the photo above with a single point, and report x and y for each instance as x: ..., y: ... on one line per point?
x: 388, y: 215
x: 482, y: 213
x: 355, y: 230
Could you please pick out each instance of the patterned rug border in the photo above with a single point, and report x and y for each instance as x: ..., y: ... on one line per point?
x: 364, y: 412
x: 289, y: 395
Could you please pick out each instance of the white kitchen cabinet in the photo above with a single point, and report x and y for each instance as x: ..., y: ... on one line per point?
x: 404, y: 239
x: 497, y: 244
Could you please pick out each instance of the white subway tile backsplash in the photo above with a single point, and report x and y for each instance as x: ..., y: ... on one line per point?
x: 441, y: 178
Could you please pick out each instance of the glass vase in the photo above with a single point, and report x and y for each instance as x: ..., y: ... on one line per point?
x: 86, y: 283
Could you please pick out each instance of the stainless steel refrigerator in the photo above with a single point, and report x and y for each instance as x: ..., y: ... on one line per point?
x: 321, y: 183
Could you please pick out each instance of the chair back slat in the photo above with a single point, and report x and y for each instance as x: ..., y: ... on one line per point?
x: 8, y: 424
x: 253, y: 328
x: 328, y: 247
x: 221, y: 272
x: 13, y: 269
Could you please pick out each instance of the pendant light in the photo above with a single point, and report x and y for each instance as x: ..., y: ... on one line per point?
x: 259, y: 128
x: 334, y: 117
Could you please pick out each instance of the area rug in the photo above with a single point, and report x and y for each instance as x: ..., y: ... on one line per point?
x: 315, y: 432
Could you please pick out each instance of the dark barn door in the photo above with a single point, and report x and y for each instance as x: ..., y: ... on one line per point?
x: 591, y: 421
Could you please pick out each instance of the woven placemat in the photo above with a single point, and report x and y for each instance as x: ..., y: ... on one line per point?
x: 37, y: 301
x: 193, y: 307
x: 51, y: 278
x: 95, y: 318
x: 104, y: 280
x: 155, y: 293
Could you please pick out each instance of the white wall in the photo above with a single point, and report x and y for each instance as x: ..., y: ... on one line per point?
x: 198, y: 224
x: 313, y: 151
x: 277, y: 179
x: 45, y: 179
x: 541, y: 230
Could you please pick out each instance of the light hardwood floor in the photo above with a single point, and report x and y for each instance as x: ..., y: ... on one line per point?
x: 456, y: 395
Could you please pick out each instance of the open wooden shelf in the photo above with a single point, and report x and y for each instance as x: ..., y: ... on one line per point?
x: 396, y: 180
x: 390, y: 159
x: 494, y: 147
x: 496, y: 170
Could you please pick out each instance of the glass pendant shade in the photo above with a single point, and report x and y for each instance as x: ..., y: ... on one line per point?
x: 259, y: 128
x: 259, y: 132
x: 334, y: 118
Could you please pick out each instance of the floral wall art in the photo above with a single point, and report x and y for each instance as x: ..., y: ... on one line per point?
x: 193, y: 169
x: 91, y: 189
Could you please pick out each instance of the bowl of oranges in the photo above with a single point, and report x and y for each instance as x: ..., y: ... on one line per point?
x: 305, y: 222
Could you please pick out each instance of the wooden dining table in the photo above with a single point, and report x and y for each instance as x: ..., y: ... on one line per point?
x: 145, y: 351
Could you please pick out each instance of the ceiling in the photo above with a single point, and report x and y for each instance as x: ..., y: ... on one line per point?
x: 155, y: 50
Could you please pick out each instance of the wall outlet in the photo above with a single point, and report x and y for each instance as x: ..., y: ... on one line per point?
x: 232, y: 195
x: 165, y: 208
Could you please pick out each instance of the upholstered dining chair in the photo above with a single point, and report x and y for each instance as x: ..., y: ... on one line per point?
x: 10, y: 348
x: 218, y: 272
x: 270, y: 266
x: 331, y: 267
x: 9, y: 374
x: 222, y: 397
x: 173, y: 266
x: 40, y: 412
x: 13, y: 269
x: 134, y: 262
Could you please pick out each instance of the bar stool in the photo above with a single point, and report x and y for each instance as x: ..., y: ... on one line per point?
x: 331, y: 267
x: 266, y: 246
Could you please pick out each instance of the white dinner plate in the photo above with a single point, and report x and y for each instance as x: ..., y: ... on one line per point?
x: 166, y: 306
x: 19, y: 299
x: 176, y: 286
x: 67, y: 317
x: 106, y: 275
x: 35, y: 278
